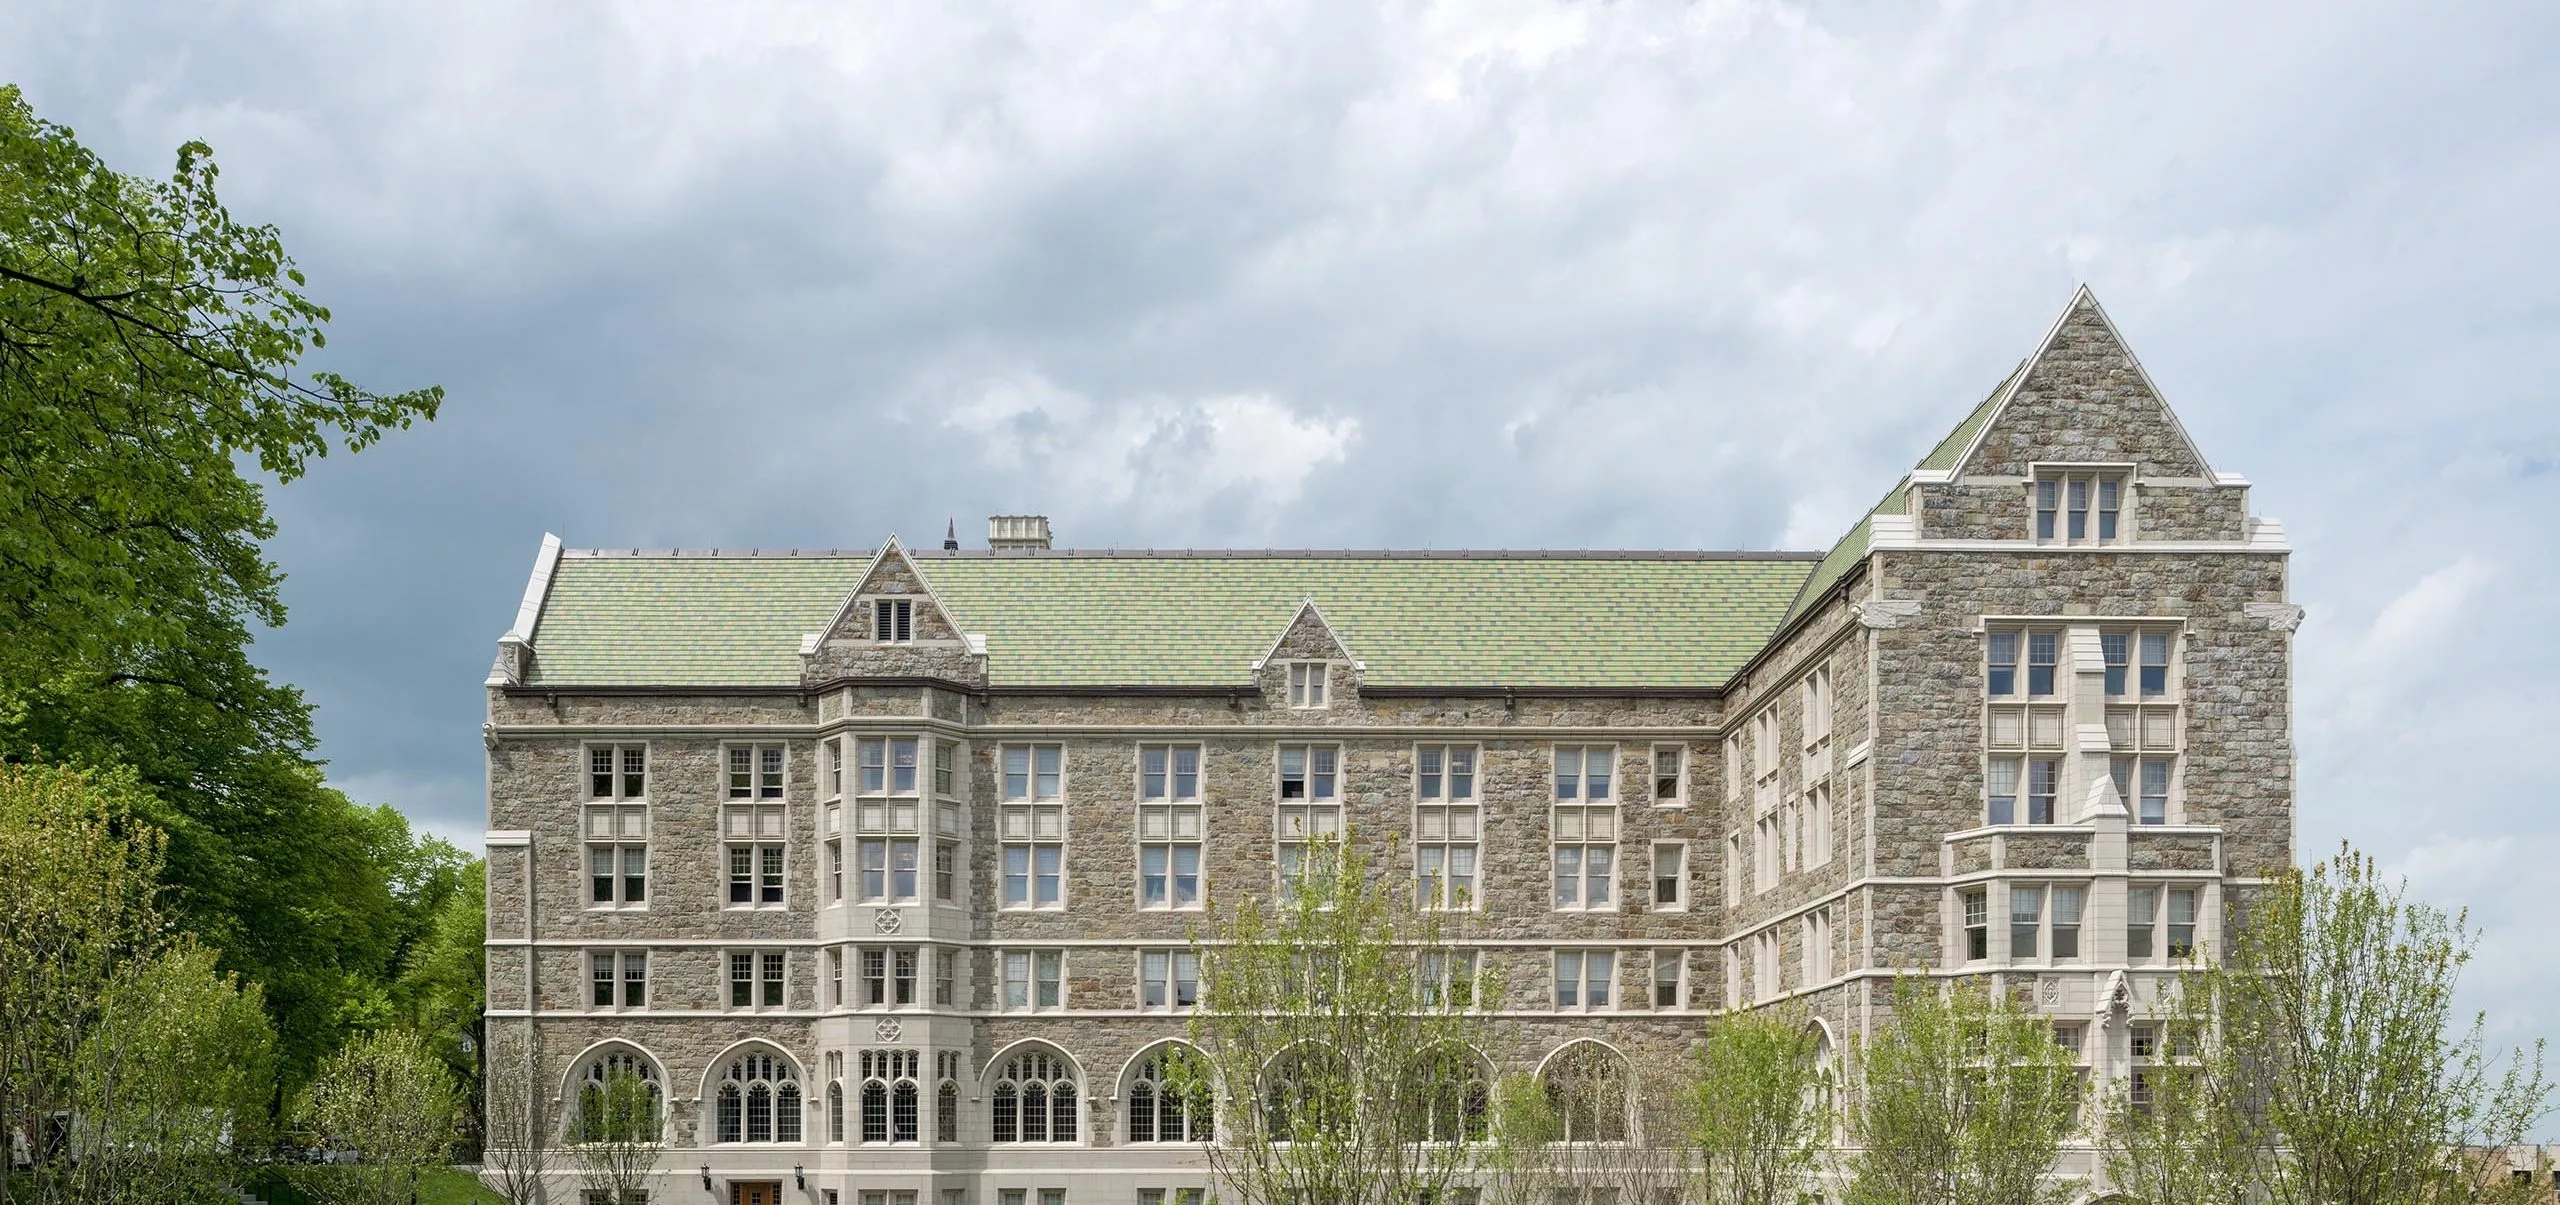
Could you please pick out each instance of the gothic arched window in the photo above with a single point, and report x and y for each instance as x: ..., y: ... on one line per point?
x: 603, y: 1110
x: 1446, y: 1097
x: 1586, y: 1085
x: 1160, y: 1110
x: 758, y: 1101
x: 1034, y: 1099
x: 889, y: 1096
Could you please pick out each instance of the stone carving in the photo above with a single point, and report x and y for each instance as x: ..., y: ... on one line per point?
x: 2117, y: 999
x: 886, y: 920
x: 887, y: 1029
x: 1887, y: 612
x: 2280, y: 617
x: 2049, y: 991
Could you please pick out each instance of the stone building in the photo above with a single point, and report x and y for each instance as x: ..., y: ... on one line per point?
x: 883, y: 862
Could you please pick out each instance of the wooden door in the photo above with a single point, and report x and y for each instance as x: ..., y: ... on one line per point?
x: 754, y: 1194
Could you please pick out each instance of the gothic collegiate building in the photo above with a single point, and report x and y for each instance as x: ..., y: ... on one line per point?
x: 882, y: 863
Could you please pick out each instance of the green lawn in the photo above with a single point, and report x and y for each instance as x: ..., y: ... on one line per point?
x: 295, y: 1186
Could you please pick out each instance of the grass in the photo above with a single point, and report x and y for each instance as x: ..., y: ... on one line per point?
x: 305, y: 1185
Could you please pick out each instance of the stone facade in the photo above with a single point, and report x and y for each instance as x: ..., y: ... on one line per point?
x: 1877, y: 804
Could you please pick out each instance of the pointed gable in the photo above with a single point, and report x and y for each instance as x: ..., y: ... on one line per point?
x: 1309, y: 640
x: 892, y: 624
x: 2082, y: 398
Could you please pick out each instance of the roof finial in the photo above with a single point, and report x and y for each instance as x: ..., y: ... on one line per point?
x: 951, y: 534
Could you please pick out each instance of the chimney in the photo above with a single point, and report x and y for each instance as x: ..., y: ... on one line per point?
x: 1016, y: 533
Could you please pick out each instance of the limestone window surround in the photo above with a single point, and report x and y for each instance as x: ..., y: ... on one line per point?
x: 1448, y: 827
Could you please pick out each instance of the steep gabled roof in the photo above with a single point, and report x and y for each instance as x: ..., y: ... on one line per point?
x: 1197, y: 619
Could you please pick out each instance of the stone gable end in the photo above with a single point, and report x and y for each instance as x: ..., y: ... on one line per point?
x: 2084, y: 399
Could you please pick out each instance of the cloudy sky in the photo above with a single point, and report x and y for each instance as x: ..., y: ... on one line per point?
x: 1485, y: 274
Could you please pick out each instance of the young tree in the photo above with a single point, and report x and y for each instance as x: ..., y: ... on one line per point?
x: 1761, y: 1108
x: 1592, y: 1127
x: 1331, y: 1029
x: 2318, y: 1062
x: 386, y: 1101
x: 127, y: 1064
x: 1964, y: 1099
x: 617, y: 1137
x: 518, y: 1123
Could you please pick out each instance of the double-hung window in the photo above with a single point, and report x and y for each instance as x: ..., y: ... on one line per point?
x: 1585, y: 827
x: 618, y: 979
x: 1448, y: 821
x: 1670, y: 875
x: 889, y: 975
x: 1975, y: 903
x: 1766, y: 972
x: 887, y: 817
x: 1583, y: 979
x: 1817, y: 947
x: 1032, y: 980
x: 1670, y: 776
x: 2023, y: 724
x: 617, y: 826
x: 1169, y: 822
x: 2067, y: 901
x: 2143, y: 727
x: 2026, y: 922
x: 755, y: 826
x: 1309, y: 819
x: 756, y: 979
x: 1670, y: 978
x: 1031, y: 825
x: 948, y: 824
x: 2080, y: 507
x: 1168, y: 980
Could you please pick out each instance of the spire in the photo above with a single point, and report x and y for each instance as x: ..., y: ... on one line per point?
x: 951, y: 535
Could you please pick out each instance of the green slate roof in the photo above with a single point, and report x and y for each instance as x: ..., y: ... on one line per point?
x: 1141, y: 619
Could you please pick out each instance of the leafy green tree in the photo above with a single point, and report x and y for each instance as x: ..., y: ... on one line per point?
x: 516, y: 1143
x: 1964, y: 1099
x: 2319, y: 1061
x: 443, y: 977
x: 1762, y: 1115
x: 385, y: 1101
x: 1332, y: 1029
x: 130, y: 1065
x: 149, y: 379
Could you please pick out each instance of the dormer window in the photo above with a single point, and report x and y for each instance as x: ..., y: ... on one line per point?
x: 893, y: 620
x: 1306, y: 683
x: 2080, y: 507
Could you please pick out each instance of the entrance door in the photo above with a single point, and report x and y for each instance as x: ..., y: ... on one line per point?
x: 765, y: 1193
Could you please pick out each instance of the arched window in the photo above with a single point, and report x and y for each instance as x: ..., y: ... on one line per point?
x: 1160, y: 1110
x: 1306, y: 1091
x: 835, y: 1111
x: 889, y: 1096
x: 1034, y: 1099
x: 946, y: 1112
x: 1586, y: 1085
x: 758, y: 1101
x: 618, y: 1097
x: 1446, y: 1097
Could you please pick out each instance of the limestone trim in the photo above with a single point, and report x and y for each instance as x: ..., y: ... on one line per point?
x: 1133, y: 731
x: 1887, y: 612
x: 2279, y: 617
x: 2266, y: 538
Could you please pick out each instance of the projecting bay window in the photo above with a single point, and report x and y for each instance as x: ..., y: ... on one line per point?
x: 1585, y: 828
x: 888, y: 975
x: 1583, y: 979
x: 1309, y: 816
x: 1169, y: 826
x: 618, y: 979
x: 2026, y: 922
x: 2151, y: 909
x: 2143, y: 719
x: 1448, y: 822
x: 1031, y: 826
x: 2022, y: 790
x: 756, y: 979
x: 2079, y: 507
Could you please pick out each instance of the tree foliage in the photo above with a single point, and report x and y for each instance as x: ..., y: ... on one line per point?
x: 149, y: 377
x: 2320, y: 1060
x: 1964, y: 1099
x: 129, y: 1064
x: 618, y: 1136
x: 518, y: 1121
x: 1342, y: 1070
x: 1761, y: 1108
x: 385, y: 1102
